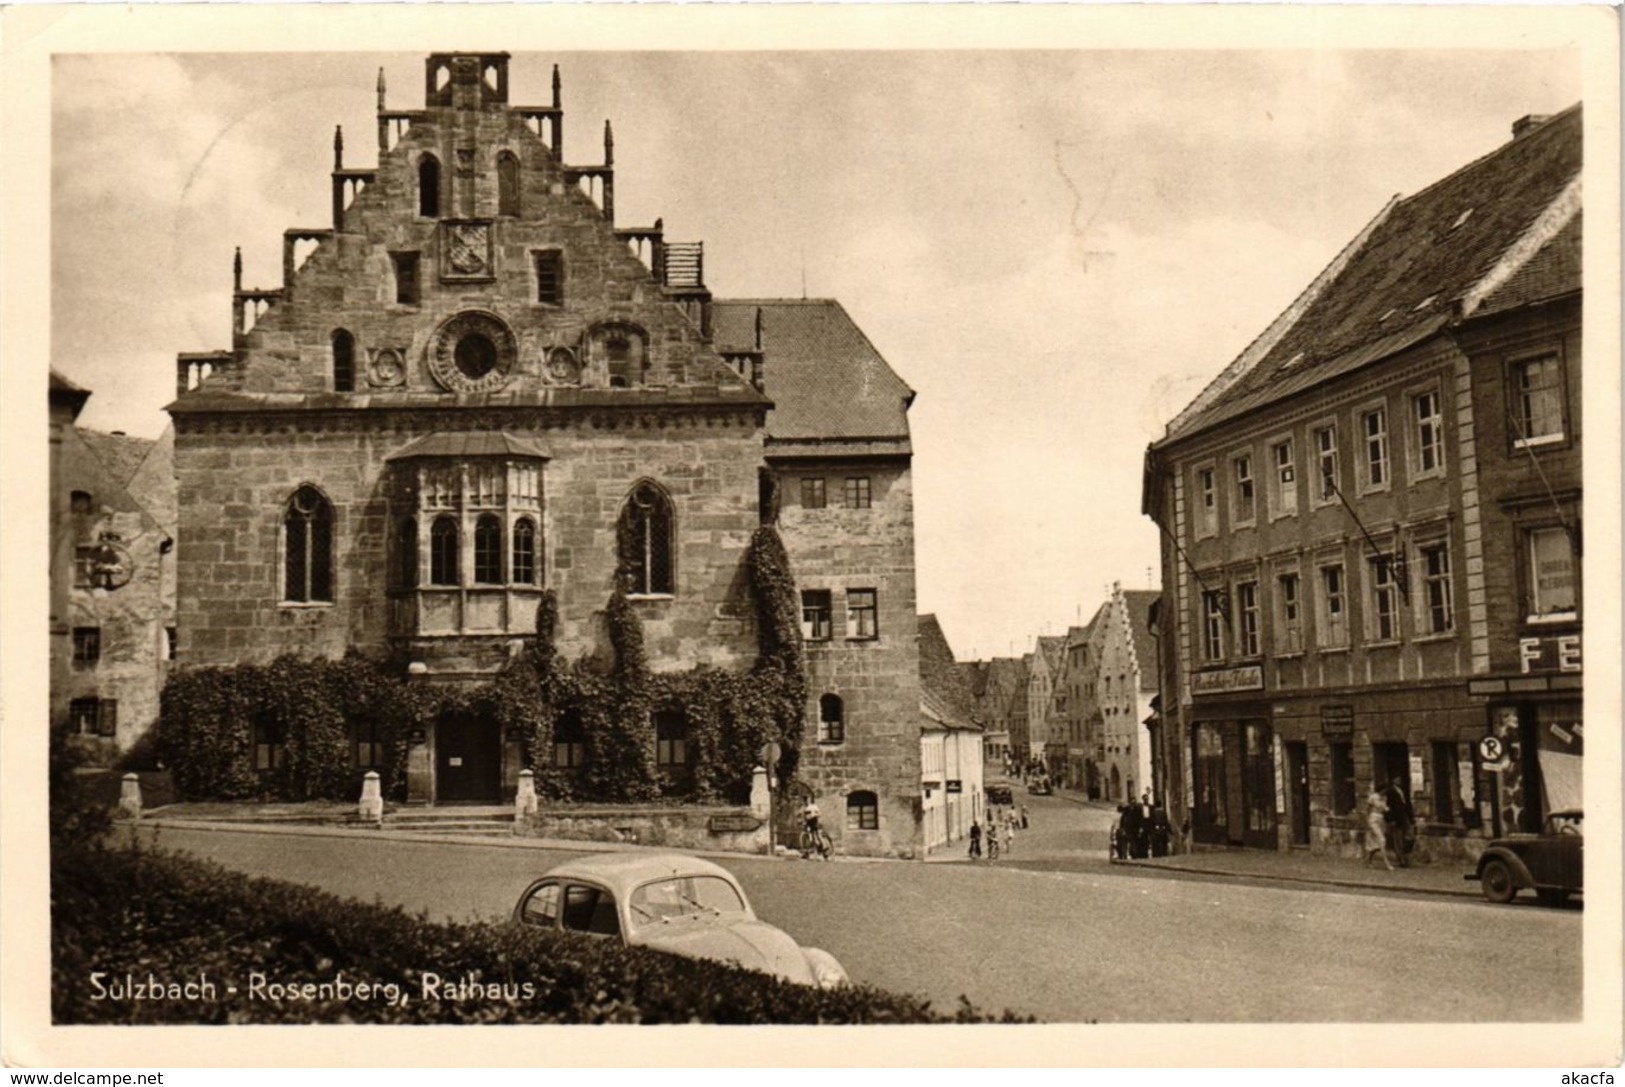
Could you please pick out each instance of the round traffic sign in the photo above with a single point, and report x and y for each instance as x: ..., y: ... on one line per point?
x: 1490, y: 748
x: 769, y: 754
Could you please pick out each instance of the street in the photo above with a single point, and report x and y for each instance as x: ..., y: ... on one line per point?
x: 1090, y: 943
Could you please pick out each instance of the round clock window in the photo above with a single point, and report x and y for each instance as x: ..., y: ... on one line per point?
x: 472, y: 352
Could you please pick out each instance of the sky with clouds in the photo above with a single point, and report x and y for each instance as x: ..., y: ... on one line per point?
x: 1055, y: 249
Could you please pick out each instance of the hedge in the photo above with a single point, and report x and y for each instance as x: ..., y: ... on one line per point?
x: 207, y: 724
x: 171, y: 919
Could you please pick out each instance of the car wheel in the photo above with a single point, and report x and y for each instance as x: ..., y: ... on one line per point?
x: 1552, y: 896
x: 1499, y: 886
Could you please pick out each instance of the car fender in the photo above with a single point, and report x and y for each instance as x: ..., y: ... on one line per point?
x: 826, y: 970
x: 1520, y: 871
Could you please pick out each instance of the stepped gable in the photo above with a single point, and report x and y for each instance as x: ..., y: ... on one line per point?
x: 472, y: 266
x: 1137, y: 607
x: 827, y: 381
x: 1415, y: 270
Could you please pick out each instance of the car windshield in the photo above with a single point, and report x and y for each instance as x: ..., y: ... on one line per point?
x: 684, y: 897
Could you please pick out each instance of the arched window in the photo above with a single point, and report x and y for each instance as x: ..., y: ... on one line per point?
x: 507, y: 184
x: 524, y: 552
x: 646, y: 540
x: 569, y: 742
x: 406, y: 554
x: 443, y: 552
x: 343, y: 362
x: 429, y: 187
x: 307, y: 531
x: 488, y: 550
x: 862, y: 811
x: 831, y: 719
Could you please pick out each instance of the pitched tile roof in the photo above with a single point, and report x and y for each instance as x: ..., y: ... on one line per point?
x: 943, y: 689
x: 1137, y: 603
x: 825, y: 378
x: 1402, y: 280
x: 475, y: 443
x: 1053, y: 647
x: 1553, y: 272
x: 120, y: 454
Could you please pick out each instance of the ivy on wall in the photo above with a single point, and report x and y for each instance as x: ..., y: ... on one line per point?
x: 213, y: 719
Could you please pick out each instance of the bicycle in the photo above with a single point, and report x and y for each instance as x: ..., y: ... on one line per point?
x: 992, y: 847
x: 816, y: 841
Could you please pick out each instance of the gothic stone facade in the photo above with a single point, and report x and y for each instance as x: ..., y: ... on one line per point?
x: 474, y: 387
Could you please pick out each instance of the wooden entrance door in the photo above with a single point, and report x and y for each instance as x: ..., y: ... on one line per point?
x: 468, y: 759
x: 1297, y: 776
x: 1235, y: 790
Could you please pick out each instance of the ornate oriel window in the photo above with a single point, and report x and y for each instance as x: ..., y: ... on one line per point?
x: 524, y: 551
x: 307, y: 548
x: 646, y: 541
x: 443, y: 552
x: 488, y: 550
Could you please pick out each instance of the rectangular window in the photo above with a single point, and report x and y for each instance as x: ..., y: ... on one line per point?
x: 1539, y: 401
x: 369, y: 745
x: 1429, y: 433
x: 1374, y: 426
x: 1288, y: 615
x: 83, y: 714
x: 862, y: 811
x: 1436, y: 594
x: 87, y: 645
x: 1382, y: 619
x: 1213, y: 625
x: 408, y: 291
x: 170, y: 643
x: 862, y: 614
x: 812, y: 494
x: 1333, y: 617
x: 1246, y: 506
x: 1340, y: 755
x: 815, y: 615
x: 84, y: 564
x: 1326, y: 460
x: 1286, y: 479
x: 857, y: 492
x: 1207, y: 504
x: 1552, y: 582
x: 270, y: 745
x: 550, y: 277
x: 1247, y: 603
x: 569, y: 754
x: 671, y: 740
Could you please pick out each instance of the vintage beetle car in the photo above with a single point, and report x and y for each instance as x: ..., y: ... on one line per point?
x: 1552, y: 862
x: 1000, y: 794
x: 670, y: 902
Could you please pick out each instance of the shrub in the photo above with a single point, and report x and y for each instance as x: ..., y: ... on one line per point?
x: 174, y: 919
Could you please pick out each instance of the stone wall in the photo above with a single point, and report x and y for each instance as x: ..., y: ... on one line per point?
x: 726, y: 829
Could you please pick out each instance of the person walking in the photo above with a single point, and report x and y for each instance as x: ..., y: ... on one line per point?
x: 1009, y: 836
x: 1129, y: 820
x: 975, y: 839
x: 1376, y: 829
x: 1024, y: 817
x: 1401, y: 820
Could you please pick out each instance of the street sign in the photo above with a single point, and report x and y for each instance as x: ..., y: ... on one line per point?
x: 1490, y: 749
x: 769, y: 754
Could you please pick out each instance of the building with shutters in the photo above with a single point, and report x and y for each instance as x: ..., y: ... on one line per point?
x: 474, y: 385
x: 1371, y: 525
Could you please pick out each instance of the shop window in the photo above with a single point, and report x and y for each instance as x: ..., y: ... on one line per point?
x: 816, y: 605
x: 646, y: 541
x: 1328, y: 478
x: 1207, y: 779
x: 1537, y: 401
x: 343, y: 362
x: 429, y: 187
x: 1437, y: 599
x: 857, y: 492
x: 569, y: 742
x: 1288, y: 615
x: 671, y: 739
x: 1374, y: 431
x: 1382, y: 611
x: 862, y: 811
x: 1429, y: 417
x: 550, y: 277
x: 831, y: 719
x: 488, y: 550
x: 367, y: 736
x: 307, y: 538
x: 1340, y: 756
x: 1248, y: 634
x: 1259, y: 767
x: 812, y: 494
x: 507, y: 184
x: 1213, y: 625
x: 1244, y: 510
x: 408, y: 289
x: 1552, y: 576
x: 87, y: 645
x: 1284, y: 482
x: 270, y: 743
x: 443, y: 552
x: 1207, y: 503
x: 1332, y: 619
x: 524, y: 551
x: 862, y: 614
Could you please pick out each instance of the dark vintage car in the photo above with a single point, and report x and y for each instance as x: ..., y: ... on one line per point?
x: 1551, y: 863
x: 1000, y: 794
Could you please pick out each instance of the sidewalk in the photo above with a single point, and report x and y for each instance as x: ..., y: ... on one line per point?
x: 1442, y: 877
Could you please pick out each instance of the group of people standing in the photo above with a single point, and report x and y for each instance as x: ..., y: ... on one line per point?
x: 1000, y: 832
x: 1390, y: 823
x: 1142, y: 830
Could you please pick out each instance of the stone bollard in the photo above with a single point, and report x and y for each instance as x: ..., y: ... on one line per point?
x: 129, y: 796
x: 524, y: 799
x: 761, y: 797
x: 371, y: 808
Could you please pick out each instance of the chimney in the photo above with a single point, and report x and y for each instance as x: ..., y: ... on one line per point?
x: 1528, y: 123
